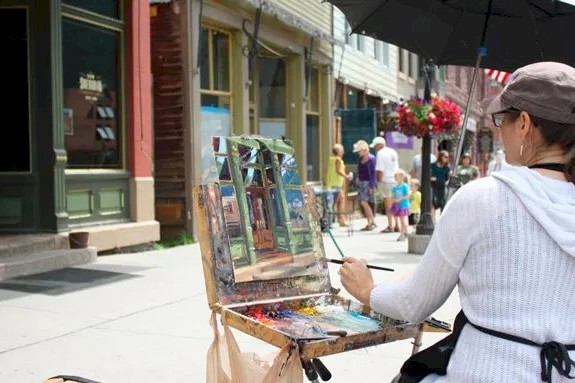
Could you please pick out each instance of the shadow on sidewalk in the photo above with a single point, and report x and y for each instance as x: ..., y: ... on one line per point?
x: 63, y: 281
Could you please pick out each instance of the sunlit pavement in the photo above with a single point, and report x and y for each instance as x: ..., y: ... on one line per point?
x: 143, y: 317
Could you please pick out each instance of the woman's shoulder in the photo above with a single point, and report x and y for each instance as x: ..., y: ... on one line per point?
x: 480, y: 192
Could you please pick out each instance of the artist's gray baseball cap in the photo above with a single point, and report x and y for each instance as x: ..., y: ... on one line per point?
x: 543, y: 89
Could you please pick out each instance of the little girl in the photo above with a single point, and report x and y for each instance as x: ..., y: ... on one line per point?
x: 400, y: 208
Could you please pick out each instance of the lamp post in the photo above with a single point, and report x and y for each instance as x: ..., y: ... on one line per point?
x: 425, y: 224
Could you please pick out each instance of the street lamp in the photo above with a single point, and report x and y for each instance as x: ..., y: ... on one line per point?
x: 425, y: 224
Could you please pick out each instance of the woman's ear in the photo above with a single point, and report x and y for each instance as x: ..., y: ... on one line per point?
x: 526, y: 125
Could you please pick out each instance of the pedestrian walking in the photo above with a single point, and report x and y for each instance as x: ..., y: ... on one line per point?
x: 335, y: 179
x: 465, y: 171
x: 400, y: 206
x: 440, y: 173
x: 366, y: 181
x: 386, y: 164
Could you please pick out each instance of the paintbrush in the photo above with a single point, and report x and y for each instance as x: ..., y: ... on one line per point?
x: 323, y: 223
x: 340, y: 262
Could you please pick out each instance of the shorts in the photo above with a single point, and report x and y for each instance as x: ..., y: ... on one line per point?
x: 397, y: 211
x: 384, y: 189
x: 363, y: 192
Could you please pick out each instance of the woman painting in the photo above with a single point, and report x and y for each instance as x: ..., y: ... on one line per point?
x: 507, y: 242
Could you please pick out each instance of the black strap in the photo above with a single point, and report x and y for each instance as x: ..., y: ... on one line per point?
x: 556, y: 167
x: 553, y: 354
x: 71, y: 378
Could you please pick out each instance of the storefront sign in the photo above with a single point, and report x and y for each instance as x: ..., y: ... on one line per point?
x: 397, y: 140
x: 91, y: 86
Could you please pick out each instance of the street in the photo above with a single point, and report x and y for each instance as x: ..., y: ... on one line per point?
x: 143, y: 317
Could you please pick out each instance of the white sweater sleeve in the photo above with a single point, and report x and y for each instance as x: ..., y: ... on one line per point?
x: 417, y: 297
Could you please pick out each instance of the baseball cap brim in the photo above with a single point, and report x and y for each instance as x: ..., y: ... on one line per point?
x: 493, y: 104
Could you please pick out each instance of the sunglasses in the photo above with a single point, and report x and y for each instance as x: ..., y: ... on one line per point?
x: 498, y: 117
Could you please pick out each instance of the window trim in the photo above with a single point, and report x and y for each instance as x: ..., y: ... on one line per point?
x: 95, y: 20
x: 317, y: 114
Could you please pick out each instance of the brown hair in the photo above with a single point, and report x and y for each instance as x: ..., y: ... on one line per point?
x: 442, y: 155
x: 556, y: 133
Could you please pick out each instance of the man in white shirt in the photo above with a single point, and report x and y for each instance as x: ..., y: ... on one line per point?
x: 386, y: 164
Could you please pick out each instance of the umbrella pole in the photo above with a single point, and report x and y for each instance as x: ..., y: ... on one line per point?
x: 454, y: 182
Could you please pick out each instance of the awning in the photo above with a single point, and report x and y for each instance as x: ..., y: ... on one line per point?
x: 498, y: 75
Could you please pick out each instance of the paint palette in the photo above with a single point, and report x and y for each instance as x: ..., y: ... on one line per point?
x: 263, y: 256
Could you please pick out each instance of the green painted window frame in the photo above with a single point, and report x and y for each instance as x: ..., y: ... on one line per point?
x: 71, y: 13
x: 102, y: 179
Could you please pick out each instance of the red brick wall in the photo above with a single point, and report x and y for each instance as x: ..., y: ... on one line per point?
x: 168, y: 100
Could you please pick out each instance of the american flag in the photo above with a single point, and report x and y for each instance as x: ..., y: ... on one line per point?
x: 498, y: 75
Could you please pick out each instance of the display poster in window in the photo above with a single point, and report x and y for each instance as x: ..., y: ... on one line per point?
x: 68, y: 121
x: 215, y: 121
x: 91, y: 86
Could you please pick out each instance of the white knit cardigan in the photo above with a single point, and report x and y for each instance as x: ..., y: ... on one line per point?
x: 508, y: 243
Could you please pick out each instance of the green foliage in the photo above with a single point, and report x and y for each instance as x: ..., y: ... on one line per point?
x: 174, y: 242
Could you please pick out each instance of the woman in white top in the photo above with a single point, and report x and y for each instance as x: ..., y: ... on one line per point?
x: 507, y: 242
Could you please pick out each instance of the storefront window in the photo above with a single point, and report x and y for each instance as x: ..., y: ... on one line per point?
x: 215, y: 69
x: 312, y: 145
x: 313, y: 91
x: 312, y: 126
x: 272, y: 87
x: 215, y: 60
x: 92, y: 112
x: 108, y: 8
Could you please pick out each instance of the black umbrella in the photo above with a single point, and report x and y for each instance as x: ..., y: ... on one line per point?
x: 514, y: 32
x: 499, y: 34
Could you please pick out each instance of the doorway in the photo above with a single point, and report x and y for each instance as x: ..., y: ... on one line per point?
x: 15, y: 97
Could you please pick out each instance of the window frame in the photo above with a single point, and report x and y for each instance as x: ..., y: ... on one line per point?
x: 211, y: 91
x: 317, y: 114
x: 91, y: 19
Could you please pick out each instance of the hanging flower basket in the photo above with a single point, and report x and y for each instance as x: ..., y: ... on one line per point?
x: 438, y: 118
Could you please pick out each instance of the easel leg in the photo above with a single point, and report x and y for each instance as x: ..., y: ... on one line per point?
x: 315, y: 369
x: 417, y: 342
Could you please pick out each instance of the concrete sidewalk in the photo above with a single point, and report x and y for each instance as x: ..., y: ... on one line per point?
x: 143, y: 317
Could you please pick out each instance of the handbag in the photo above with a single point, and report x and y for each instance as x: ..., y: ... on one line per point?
x: 435, y: 358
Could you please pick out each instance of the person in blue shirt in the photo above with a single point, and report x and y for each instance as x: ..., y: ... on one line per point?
x: 400, y: 208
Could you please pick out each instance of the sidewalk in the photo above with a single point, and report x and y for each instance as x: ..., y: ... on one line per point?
x: 143, y: 317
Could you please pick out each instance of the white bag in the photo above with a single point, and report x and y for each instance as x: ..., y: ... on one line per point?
x: 226, y: 363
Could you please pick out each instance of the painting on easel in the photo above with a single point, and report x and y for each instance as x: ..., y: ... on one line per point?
x: 268, y: 225
x: 263, y: 255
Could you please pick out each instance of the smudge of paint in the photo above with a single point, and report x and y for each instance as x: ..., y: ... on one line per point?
x: 313, y: 319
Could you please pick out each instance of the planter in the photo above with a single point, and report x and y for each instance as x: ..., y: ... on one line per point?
x: 79, y: 239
